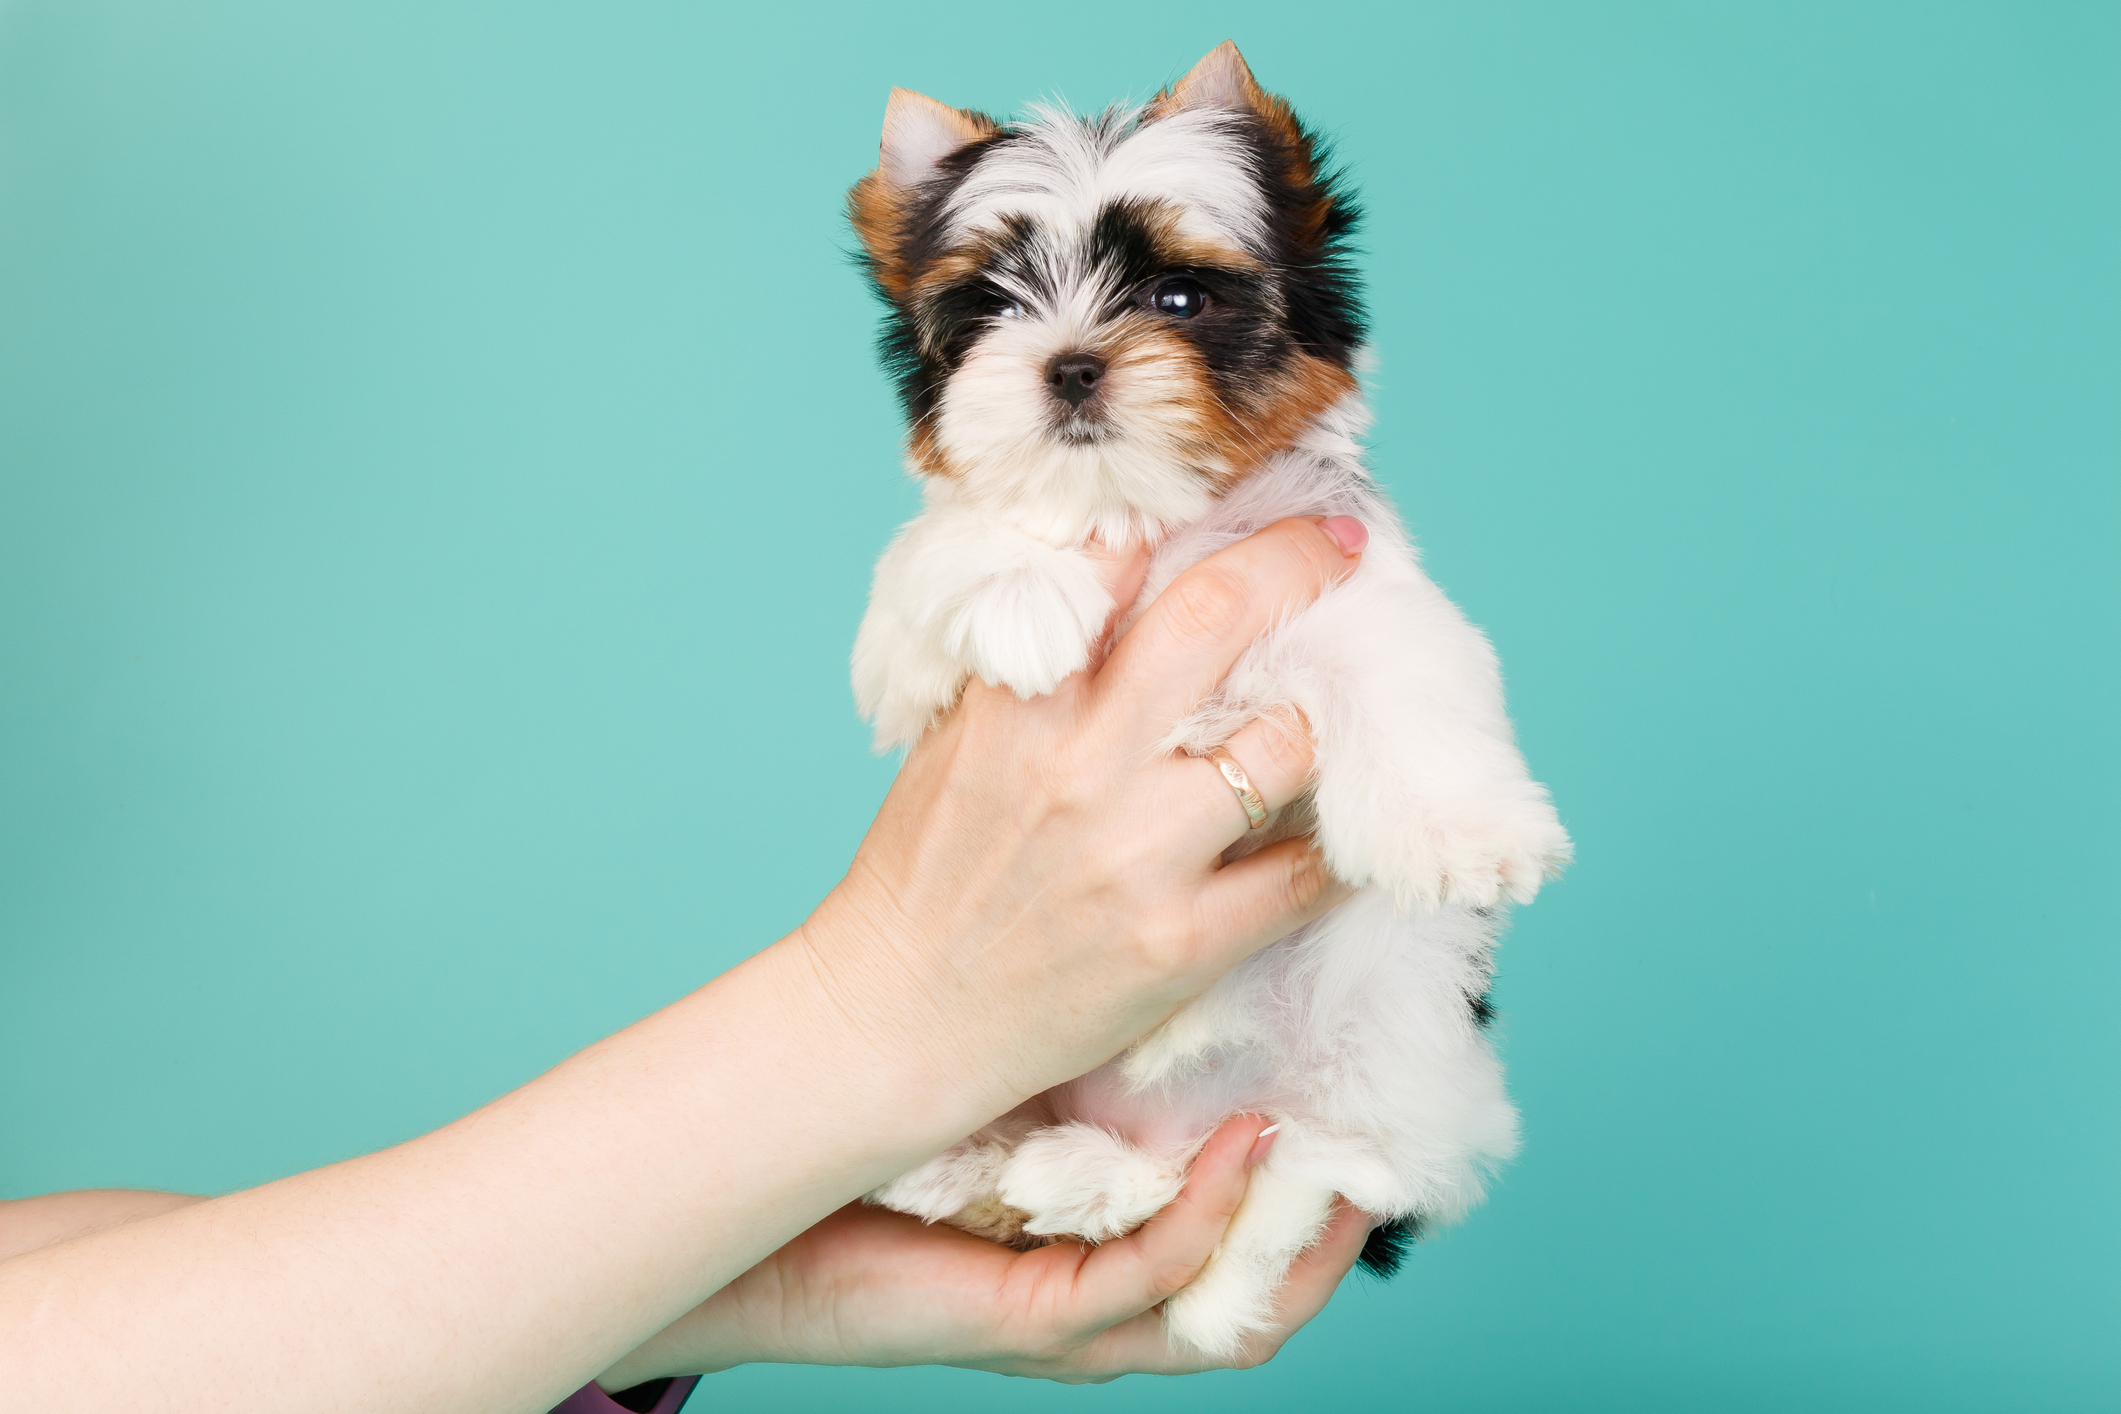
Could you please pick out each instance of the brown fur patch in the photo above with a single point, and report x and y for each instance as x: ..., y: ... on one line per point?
x: 1223, y: 79
x: 1306, y: 387
x: 1229, y: 442
x: 925, y: 452
x: 878, y: 208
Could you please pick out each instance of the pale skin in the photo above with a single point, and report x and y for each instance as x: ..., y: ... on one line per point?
x: 1039, y: 889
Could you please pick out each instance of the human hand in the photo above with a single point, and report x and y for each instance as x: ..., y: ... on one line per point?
x: 1041, y: 888
x: 871, y: 1287
x: 1043, y: 884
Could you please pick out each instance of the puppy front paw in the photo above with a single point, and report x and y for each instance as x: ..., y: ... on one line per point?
x: 1029, y: 627
x: 1484, y: 856
x: 1471, y: 852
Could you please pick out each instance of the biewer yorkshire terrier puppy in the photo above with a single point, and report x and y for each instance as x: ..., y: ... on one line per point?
x: 1144, y: 326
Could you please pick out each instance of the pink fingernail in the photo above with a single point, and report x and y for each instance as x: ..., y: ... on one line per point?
x: 1348, y: 533
x: 1264, y: 1142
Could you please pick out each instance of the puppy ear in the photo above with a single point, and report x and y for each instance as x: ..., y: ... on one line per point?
x: 1221, y: 80
x: 919, y: 133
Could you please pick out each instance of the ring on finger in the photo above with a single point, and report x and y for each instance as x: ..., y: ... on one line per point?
x: 1255, y: 808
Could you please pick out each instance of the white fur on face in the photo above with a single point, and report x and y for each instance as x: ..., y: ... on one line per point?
x: 998, y: 424
x: 1150, y: 467
x: 1064, y: 171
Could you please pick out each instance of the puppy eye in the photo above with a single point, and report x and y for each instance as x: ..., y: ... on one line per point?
x: 1004, y: 307
x: 1180, y: 298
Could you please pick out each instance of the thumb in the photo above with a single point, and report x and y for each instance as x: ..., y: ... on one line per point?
x: 1122, y: 572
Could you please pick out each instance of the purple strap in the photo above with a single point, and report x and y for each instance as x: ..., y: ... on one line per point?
x: 591, y: 1400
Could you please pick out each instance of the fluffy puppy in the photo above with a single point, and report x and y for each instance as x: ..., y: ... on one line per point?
x: 1144, y: 326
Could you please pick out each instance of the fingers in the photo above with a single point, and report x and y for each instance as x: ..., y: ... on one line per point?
x: 1268, y: 895
x: 1275, y: 754
x: 1187, y: 640
x: 1124, y: 1278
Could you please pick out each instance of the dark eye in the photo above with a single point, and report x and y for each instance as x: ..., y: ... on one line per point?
x: 1005, y: 307
x: 1179, y: 298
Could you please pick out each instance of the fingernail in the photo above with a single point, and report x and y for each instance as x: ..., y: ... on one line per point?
x: 1348, y: 533
x: 1260, y: 1146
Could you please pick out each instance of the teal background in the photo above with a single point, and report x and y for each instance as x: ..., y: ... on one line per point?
x: 441, y: 461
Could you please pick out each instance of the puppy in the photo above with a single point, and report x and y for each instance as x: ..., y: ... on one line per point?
x: 1143, y: 326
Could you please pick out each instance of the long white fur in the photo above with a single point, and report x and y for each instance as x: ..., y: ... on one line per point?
x: 1355, y: 1033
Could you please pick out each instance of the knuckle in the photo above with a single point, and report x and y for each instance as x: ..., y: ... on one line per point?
x: 1286, y: 740
x: 1166, y: 946
x: 1307, y: 877
x: 1169, y: 1276
x: 1062, y: 777
x: 1206, y: 602
x: 1258, y: 1354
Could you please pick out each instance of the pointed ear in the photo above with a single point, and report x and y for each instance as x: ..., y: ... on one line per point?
x: 1221, y: 80
x: 919, y: 133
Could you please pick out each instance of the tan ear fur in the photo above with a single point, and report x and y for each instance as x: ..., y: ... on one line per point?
x: 918, y: 134
x: 1221, y: 79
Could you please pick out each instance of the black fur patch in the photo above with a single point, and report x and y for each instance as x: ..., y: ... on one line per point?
x: 1483, y: 1010
x: 919, y: 239
x: 1311, y: 256
x: 1386, y: 1248
x: 1309, y: 297
x: 1240, y: 338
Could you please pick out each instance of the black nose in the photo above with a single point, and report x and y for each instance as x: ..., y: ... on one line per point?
x: 1073, y: 377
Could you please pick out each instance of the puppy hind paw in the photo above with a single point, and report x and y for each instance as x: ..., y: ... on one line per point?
x: 1233, y: 1297
x: 1225, y: 1305
x: 1077, y: 1180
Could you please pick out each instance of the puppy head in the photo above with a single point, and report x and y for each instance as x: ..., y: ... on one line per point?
x: 1114, y: 316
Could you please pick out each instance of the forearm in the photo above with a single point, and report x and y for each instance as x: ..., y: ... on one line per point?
x: 1041, y: 887
x: 503, y: 1260
x: 50, y: 1218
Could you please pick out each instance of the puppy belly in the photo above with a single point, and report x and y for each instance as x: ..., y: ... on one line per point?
x: 1169, y: 1121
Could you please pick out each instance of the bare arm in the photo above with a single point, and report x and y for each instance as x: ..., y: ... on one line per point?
x: 29, y: 1223
x: 1038, y: 890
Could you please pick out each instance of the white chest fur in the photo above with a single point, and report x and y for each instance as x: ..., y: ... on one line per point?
x: 1361, y: 1033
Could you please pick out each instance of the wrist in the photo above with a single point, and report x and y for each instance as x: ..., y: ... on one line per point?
x: 704, y: 1341
x: 926, y: 1033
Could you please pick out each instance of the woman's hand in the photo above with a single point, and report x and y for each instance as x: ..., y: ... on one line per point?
x: 871, y: 1287
x: 1044, y: 883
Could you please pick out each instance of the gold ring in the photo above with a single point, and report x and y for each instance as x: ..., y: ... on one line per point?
x: 1255, y: 808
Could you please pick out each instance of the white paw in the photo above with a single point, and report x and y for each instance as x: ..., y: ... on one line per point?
x: 1483, y: 857
x: 958, y: 1178
x: 1233, y: 1297
x: 1077, y: 1180
x: 1029, y: 627
x: 1470, y: 852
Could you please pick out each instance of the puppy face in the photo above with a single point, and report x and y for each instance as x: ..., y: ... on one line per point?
x: 1115, y: 316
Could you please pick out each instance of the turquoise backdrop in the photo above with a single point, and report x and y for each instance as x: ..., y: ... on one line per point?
x: 441, y: 461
